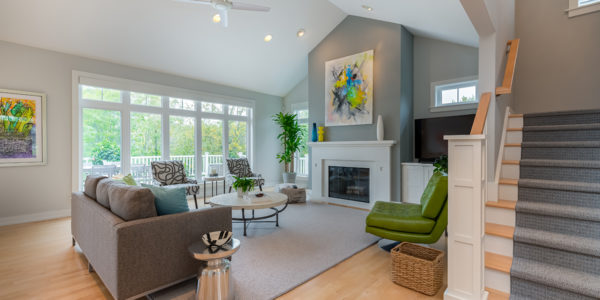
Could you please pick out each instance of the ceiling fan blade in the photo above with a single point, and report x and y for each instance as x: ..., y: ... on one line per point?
x: 224, y: 17
x: 248, y: 6
x: 194, y: 1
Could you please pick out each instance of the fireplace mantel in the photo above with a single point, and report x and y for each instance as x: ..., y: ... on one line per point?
x: 375, y: 155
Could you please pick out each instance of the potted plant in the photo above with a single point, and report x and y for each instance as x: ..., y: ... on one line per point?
x: 291, y: 141
x: 243, y: 185
x: 441, y: 165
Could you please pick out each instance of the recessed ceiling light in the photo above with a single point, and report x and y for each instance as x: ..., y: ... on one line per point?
x: 368, y: 8
x: 268, y: 38
x: 216, y: 18
x: 300, y: 33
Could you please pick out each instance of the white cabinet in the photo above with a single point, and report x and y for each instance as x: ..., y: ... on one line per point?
x: 415, y: 177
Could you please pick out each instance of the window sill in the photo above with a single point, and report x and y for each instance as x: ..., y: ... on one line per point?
x: 454, y: 107
x: 582, y: 10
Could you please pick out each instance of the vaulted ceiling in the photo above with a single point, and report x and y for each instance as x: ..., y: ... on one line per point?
x: 181, y: 39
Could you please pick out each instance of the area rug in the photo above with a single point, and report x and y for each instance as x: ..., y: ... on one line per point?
x: 310, y: 239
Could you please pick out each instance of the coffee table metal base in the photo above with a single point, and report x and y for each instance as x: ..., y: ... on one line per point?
x: 254, y: 219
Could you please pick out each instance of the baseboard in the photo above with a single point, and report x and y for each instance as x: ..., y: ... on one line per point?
x: 54, y: 214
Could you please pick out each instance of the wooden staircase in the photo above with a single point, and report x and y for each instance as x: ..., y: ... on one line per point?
x: 500, y: 215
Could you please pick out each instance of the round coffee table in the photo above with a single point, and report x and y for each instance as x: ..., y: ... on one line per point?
x: 213, y: 279
x: 269, y: 201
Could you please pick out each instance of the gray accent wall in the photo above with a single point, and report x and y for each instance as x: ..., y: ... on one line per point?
x: 558, y: 67
x: 436, y: 60
x: 29, y: 193
x: 392, y: 80
x: 299, y: 94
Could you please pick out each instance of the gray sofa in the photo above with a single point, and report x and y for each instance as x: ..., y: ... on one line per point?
x: 131, y: 249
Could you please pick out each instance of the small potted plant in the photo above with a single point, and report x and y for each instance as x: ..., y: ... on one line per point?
x: 243, y: 185
x: 441, y: 165
x: 291, y: 140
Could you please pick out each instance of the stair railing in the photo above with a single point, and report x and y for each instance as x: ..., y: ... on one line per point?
x: 509, y: 72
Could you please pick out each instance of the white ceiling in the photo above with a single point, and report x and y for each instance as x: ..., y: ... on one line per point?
x: 439, y: 19
x: 179, y: 38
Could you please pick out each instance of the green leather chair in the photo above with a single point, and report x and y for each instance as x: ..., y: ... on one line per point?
x: 417, y: 223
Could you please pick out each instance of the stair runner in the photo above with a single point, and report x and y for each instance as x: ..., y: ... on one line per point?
x: 556, y: 251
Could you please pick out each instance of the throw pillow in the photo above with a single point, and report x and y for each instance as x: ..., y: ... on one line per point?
x: 131, y: 202
x: 129, y: 180
x: 169, y: 200
x: 91, y: 183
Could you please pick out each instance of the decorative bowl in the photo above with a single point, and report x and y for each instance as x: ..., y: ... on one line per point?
x: 259, y: 194
x: 216, y: 238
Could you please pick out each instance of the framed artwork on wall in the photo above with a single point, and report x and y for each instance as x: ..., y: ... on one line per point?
x: 22, y: 128
x: 349, y: 90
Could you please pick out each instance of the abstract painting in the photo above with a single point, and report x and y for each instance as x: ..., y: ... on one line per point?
x: 349, y: 90
x: 22, y: 128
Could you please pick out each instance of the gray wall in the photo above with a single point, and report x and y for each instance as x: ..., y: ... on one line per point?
x: 436, y: 60
x: 45, y: 190
x: 558, y: 67
x: 354, y: 35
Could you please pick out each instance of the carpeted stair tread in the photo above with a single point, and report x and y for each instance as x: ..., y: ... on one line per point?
x: 562, y: 118
x: 575, y: 227
x: 560, y: 185
x: 566, y: 127
x: 590, y: 164
x: 562, y: 144
x: 559, y: 210
x: 571, y: 243
x: 582, y: 199
x: 528, y: 290
x: 554, y: 276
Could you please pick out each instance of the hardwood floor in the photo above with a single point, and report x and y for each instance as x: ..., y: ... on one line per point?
x: 38, y: 262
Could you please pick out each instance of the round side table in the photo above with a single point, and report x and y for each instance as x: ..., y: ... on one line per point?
x: 213, y: 279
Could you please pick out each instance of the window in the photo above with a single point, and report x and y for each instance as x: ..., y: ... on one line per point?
x: 123, y: 131
x: 100, y: 94
x: 301, y: 157
x: 582, y: 7
x: 184, y: 104
x: 145, y: 99
x: 454, y: 94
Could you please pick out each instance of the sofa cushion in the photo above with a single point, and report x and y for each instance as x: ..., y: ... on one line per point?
x: 404, y: 217
x: 102, y: 190
x: 434, y: 196
x: 169, y: 199
x: 131, y: 202
x: 91, y: 183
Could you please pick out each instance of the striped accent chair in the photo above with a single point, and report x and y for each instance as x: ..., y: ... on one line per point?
x: 172, y: 173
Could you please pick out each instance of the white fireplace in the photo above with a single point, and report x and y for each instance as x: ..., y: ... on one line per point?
x: 375, y: 156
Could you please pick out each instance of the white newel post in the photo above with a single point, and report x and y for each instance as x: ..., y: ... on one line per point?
x: 466, y: 190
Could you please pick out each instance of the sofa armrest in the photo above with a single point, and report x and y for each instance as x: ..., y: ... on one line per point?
x: 153, y: 252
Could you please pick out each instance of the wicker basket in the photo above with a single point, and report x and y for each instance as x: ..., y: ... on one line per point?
x: 418, y: 268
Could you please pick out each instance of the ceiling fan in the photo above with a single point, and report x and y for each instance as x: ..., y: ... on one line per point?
x: 223, y: 6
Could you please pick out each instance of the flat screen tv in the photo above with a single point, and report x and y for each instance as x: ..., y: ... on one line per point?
x: 429, y: 135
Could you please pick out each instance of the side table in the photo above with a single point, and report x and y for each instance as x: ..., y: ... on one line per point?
x: 213, y: 279
x: 214, y: 185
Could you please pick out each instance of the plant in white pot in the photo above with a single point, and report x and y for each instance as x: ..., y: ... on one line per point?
x: 243, y: 185
x: 291, y: 141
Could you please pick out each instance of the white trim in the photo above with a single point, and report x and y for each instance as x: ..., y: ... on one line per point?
x: 388, y: 143
x: 576, y: 10
x: 47, y: 215
x: 434, y: 107
x: 493, y: 187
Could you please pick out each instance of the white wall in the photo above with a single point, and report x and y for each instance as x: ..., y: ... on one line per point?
x: 299, y: 94
x: 31, y: 193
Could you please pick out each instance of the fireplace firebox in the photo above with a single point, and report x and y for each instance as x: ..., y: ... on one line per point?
x: 349, y: 183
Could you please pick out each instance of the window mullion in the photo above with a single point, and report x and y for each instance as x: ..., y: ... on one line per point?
x: 125, y: 134
x: 165, y: 130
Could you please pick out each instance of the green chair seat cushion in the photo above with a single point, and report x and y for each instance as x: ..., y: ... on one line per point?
x: 404, y: 217
x: 434, y: 196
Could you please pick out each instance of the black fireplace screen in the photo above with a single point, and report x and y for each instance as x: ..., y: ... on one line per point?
x: 349, y: 183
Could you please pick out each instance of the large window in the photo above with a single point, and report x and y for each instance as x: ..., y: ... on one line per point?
x: 301, y: 158
x: 454, y: 94
x: 123, y: 131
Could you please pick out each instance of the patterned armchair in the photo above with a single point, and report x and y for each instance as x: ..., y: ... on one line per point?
x: 172, y: 173
x: 240, y: 167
